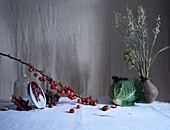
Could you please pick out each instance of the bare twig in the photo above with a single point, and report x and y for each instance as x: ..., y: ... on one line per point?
x: 19, y: 60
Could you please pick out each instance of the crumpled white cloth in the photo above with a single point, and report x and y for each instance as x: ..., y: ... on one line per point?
x: 155, y: 116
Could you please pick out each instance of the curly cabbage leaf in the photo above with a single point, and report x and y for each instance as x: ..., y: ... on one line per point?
x: 127, y: 92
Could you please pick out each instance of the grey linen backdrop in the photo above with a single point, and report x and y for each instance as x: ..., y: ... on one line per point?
x: 75, y: 42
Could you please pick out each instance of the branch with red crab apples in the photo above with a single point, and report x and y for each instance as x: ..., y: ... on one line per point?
x: 54, y: 84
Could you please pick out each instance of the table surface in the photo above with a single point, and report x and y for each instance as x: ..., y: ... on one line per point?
x: 155, y: 116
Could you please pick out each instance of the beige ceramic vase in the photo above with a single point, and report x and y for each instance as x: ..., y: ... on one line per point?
x: 150, y: 89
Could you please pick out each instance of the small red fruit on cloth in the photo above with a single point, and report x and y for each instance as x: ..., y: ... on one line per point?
x: 72, y: 110
x: 78, y: 106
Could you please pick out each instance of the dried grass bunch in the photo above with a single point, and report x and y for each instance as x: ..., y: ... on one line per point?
x: 135, y: 34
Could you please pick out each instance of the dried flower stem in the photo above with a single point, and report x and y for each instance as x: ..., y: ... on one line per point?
x: 135, y: 34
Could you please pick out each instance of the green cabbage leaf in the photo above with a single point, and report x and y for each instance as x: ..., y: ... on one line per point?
x: 126, y: 92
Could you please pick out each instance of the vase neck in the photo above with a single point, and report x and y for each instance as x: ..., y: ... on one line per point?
x: 144, y: 79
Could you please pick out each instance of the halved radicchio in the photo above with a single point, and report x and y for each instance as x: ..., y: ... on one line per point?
x: 37, y: 95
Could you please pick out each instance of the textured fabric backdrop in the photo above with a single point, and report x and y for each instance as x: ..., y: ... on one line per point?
x: 75, y: 42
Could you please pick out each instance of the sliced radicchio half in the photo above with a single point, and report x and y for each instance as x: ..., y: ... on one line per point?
x: 37, y: 95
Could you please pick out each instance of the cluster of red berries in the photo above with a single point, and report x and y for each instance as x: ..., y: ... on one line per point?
x: 63, y: 90
x: 66, y: 90
x: 88, y: 101
x: 54, y: 84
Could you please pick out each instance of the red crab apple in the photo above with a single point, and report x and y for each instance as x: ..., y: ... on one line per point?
x: 78, y: 106
x: 72, y: 110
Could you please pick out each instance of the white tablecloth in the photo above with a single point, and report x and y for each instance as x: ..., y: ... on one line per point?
x: 155, y: 116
